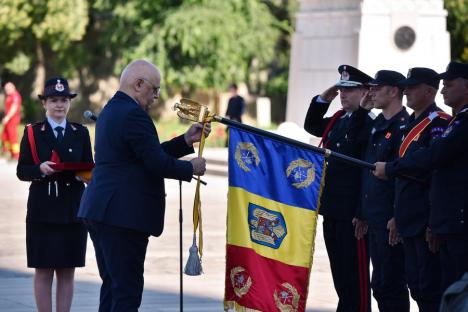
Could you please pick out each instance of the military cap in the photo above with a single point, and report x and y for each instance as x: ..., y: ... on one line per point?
x: 387, y: 78
x: 351, y: 77
x: 419, y: 75
x: 56, y: 86
x: 455, y: 70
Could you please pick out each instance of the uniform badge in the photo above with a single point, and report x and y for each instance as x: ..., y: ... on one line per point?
x: 344, y: 75
x: 388, y: 135
x: 301, y: 172
x: 246, y: 156
x: 287, y: 298
x: 59, y: 86
x: 267, y: 227
x: 240, y: 280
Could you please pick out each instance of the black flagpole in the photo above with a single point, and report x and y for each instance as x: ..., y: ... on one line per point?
x: 181, y: 303
x: 326, y: 152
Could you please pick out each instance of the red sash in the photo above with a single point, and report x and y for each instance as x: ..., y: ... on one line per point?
x: 418, y: 129
x: 329, y: 126
x: 32, y: 144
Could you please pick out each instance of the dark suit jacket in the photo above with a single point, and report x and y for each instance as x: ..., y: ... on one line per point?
x: 127, y: 189
x: 448, y: 158
x: 43, y: 203
x: 340, y: 197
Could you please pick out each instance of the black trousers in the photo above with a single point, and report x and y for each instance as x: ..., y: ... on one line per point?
x: 349, y: 262
x: 120, y: 256
x: 388, y: 275
x: 423, y: 273
x: 453, y: 258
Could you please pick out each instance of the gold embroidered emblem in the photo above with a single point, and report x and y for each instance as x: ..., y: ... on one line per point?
x: 240, y: 280
x: 287, y: 298
x: 302, y: 172
x: 246, y: 154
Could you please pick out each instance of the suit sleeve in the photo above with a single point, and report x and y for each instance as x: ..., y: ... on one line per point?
x: 177, y: 147
x: 314, y: 122
x: 27, y: 170
x: 142, y: 138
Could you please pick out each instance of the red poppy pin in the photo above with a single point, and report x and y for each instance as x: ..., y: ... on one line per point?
x: 388, y: 135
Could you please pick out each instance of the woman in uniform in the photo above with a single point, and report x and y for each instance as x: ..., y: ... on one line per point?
x: 55, y: 238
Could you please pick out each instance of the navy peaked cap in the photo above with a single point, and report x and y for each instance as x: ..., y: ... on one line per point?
x: 455, y: 70
x: 419, y: 75
x: 351, y: 77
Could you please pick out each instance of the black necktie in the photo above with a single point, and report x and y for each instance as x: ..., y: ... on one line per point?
x: 59, y: 133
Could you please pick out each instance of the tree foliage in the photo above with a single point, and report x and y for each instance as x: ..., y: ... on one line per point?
x: 457, y: 25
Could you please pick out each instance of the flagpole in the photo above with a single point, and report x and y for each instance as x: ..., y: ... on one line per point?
x: 324, y: 151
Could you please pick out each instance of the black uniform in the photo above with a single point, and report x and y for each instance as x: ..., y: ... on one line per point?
x: 388, y: 278
x: 448, y: 157
x: 339, y: 202
x: 54, y: 236
x: 235, y: 108
x: 412, y: 208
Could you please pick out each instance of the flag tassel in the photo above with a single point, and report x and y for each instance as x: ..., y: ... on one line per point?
x: 193, y: 266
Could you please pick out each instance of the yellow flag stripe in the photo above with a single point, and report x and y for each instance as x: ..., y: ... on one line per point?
x: 300, y: 223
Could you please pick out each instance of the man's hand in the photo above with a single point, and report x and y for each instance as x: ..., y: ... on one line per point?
x: 433, y: 241
x: 199, y: 166
x: 393, y: 236
x: 329, y: 94
x: 360, y: 228
x: 379, y: 171
x: 46, y: 169
x: 366, y: 101
x: 193, y: 134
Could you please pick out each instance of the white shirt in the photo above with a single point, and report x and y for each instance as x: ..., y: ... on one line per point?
x: 54, y: 124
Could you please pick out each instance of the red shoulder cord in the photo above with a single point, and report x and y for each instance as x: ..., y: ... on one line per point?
x: 32, y: 144
x: 329, y: 126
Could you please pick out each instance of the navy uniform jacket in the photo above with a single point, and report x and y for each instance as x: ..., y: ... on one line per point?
x: 340, y: 195
x: 448, y: 158
x: 412, y: 198
x: 127, y: 189
x: 377, y: 199
x: 43, y: 203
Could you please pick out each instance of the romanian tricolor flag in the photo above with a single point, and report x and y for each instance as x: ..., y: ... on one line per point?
x: 273, y: 201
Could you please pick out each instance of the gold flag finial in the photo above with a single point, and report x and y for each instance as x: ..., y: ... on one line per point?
x: 192, y: 110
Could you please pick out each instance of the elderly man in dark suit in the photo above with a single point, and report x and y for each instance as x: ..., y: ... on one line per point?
x: 125, y: 201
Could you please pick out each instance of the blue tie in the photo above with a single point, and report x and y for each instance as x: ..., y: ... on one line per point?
x: 59, y: 133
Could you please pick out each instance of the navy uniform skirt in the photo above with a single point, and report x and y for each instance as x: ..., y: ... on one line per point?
x: 51, y: 245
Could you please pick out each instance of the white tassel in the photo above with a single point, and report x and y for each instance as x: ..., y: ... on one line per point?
x: 193, y: 266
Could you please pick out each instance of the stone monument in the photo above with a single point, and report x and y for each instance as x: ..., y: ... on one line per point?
x: 368, y: 34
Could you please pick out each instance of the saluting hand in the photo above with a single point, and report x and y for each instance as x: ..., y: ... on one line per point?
x: 46, y: 169
x: 379, y: 171
x: 199, y: 166
x: 329, y: 94
x: 193, y: 134
x: 366, y: 101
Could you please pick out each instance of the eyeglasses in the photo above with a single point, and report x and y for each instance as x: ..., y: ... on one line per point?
x: 156, y: 90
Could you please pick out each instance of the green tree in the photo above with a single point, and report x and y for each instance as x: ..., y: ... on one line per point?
x: 457, y: 25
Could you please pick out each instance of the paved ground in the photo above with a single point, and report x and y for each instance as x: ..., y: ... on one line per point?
x: 202, y: 293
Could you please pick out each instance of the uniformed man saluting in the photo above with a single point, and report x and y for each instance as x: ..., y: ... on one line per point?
x: 448, y: 158
x: 345, y: 133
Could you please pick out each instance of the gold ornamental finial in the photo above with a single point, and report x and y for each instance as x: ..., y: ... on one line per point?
x: 192, y: 110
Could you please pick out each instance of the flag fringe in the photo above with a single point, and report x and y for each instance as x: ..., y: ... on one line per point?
x: 234, y: 306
